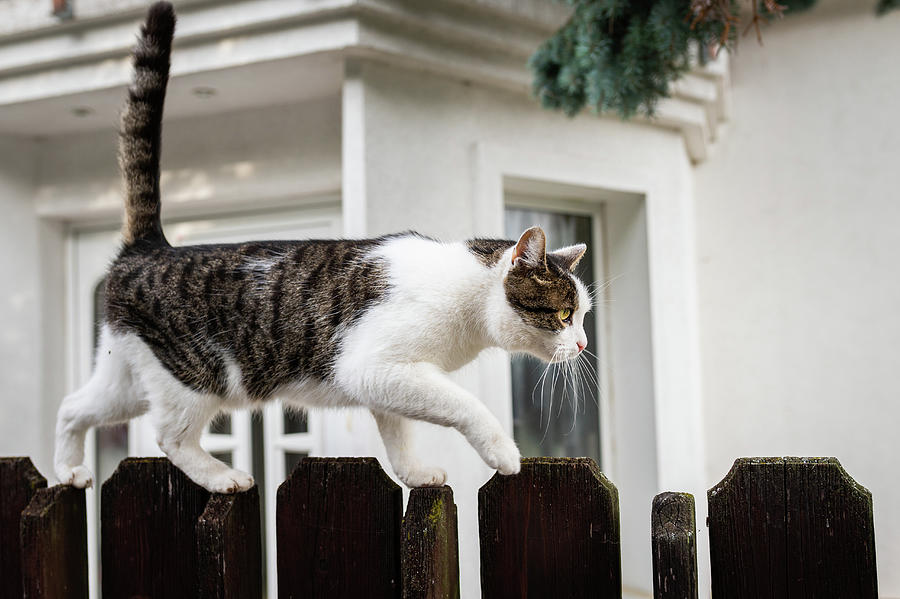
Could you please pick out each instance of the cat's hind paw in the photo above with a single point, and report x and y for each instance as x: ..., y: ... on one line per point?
x: 424, y: 476
x: 229, y: 481
x: 77, y: 476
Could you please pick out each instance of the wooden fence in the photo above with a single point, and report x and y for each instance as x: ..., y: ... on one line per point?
x: 778, y: 528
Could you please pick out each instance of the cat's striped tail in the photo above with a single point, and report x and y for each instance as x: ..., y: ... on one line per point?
x: 140, y: 129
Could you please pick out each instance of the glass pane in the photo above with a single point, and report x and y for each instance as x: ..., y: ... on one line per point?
x: 221, y: 425
x: 294, y: 422
x: 222, y: 456
x: 291, y: 459
x: 112, y: 448
x: 555, y: 408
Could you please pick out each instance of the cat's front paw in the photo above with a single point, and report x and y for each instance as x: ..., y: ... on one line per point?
x: 423, y: 476
x: 228, y: 482
x: 77, y: 476
x: 502, y: 454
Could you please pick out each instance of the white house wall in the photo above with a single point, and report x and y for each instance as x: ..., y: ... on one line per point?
x: 419, y: 147
x: 251, y: 160
x: 20, y: 316
x: 241, y: 160
x: 798, y: 234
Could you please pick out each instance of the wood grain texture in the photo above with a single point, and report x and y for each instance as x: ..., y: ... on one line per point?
x: 429, y: 558
x: 19, y: 481
x: 550, y: 531
x: 54, y: 545
x: 149, y: 511
x: 791, y: 527
x: 673, y: 541
x: 338, y: 523
x: 229, y: 547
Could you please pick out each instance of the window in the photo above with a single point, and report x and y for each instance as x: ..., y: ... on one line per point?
x: 554, y: 415
x: 267, y: 445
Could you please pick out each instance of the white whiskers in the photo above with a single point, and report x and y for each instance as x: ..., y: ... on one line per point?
x: 571, y: 382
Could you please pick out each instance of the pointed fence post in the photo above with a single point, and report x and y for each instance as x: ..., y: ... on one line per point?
x: 229, y: 547
x: 791, y: 527
x: 429, y: 560
x: 550, y: 531
x: 149, y: 511
x: 338, y: 523
x: 54, y: 545
x: 674, y: 544
x: 19, y: 481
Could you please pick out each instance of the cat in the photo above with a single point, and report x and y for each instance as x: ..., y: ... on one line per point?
x: 189, y: 332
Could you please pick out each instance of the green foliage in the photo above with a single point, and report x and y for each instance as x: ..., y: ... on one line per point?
x: 621, y: 55
x: 617, y: 55
x: 886, y: 5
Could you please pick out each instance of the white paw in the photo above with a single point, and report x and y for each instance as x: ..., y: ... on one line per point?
x: 229, y: 481
x: 502, y: 454
x: 77, y: 476
x: 423, y: 476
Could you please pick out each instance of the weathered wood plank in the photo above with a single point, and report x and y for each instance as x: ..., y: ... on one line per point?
x: 674, y: 544
x: 19, y: 480
x: 550, y: 531
x: 830, y: 532
x: 791, y: 527
x: 54, y: 545
x: 429, y: 559
x: 229, y: 548
x: 149, y: 511
x: 746, y: 525
x: 338, y: 523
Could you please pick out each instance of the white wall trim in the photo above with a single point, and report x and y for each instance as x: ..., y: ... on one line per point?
x: 675, y: 351
x: 489, y: 43
x: 658, y: 205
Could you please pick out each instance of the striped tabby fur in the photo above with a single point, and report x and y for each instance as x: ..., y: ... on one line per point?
x: 192, y: 331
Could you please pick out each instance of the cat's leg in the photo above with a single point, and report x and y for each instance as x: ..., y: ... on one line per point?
x: 422, y: 391
x: 396, y: 434
x: 109, y: 397
x: 180, y: 416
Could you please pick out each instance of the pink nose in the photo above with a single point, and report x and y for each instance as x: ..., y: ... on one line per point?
x: 581, y: 345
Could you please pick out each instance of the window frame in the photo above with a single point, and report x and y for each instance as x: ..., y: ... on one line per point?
x: 594, y: 211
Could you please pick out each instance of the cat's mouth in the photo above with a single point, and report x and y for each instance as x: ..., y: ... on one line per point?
x: 562, y: 354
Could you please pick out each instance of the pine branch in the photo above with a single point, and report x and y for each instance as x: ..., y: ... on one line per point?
x: 622, y: 55
x: 887, y: 5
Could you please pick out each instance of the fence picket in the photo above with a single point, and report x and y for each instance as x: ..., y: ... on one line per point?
x: 429, y: 559
x: 54, y: 545
x: 149, y: 511
x: 19, y: 480
x: 791, y: 527
x: 550, y: 531
x: 229, y: 548
x: 674, y: 545
x: 779, y: 527
x: 338, y: 523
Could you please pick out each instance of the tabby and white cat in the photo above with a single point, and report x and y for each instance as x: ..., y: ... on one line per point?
x: 190, y: 332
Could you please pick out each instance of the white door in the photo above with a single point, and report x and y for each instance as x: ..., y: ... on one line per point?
x: 267, y: 448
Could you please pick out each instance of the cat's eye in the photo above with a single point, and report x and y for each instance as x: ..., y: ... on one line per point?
x: 564, y: 314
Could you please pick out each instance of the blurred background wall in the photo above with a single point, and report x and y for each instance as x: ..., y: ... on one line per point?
x: 749, y: 232
x: 798, y: 242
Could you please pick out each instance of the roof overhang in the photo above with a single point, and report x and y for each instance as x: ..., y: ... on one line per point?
x: 70, y: 77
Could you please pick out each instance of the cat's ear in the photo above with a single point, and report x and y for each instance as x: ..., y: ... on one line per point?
x: 570, y: 255
x: 531, y: 248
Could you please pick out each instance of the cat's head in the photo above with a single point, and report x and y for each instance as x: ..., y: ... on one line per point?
x: 547, y: 302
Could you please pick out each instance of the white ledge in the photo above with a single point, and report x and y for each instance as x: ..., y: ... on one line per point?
x: 482, y: 41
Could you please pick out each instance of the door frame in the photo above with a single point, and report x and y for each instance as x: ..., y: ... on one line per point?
x: 89, y: 249
x: 595, y: 211
x: 647, y: 207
